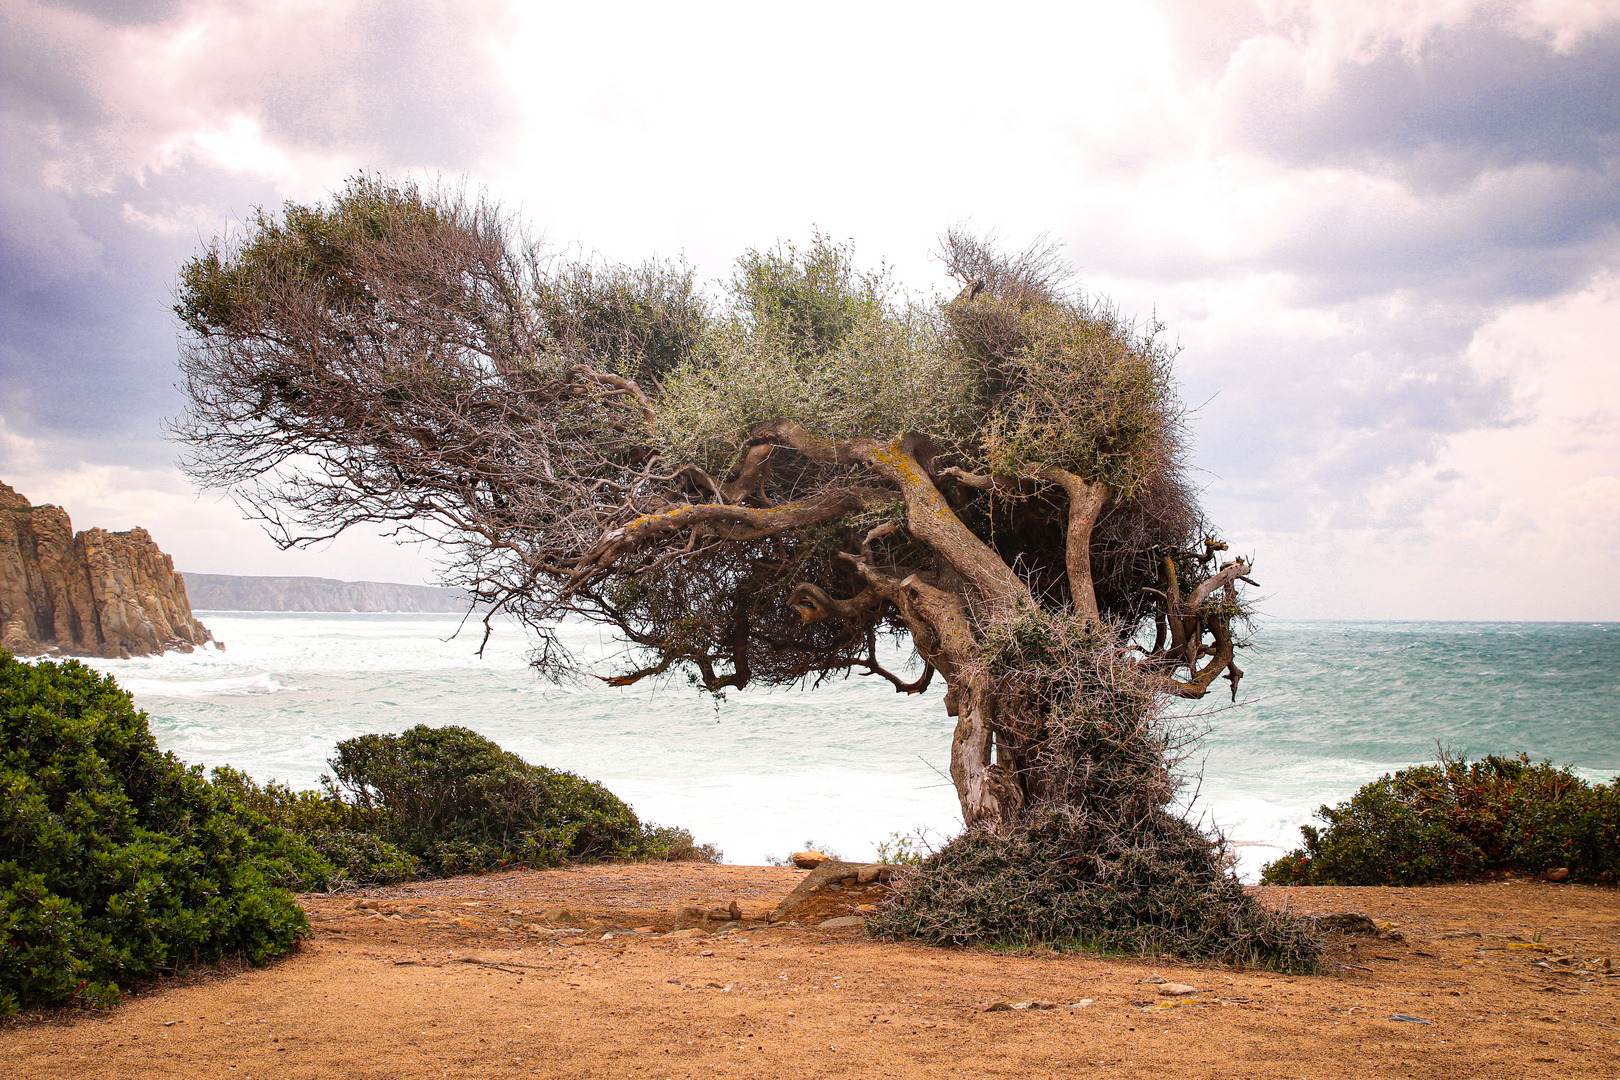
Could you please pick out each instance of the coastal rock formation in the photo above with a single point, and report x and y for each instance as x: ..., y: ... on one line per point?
x: 97, y: 593
x: 229, y: 592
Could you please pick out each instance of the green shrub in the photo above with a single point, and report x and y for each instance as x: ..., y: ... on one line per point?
x: 117, y: 861
x: 346, y: 836
x: 671, y: 843
x: 905, y: 849
x: 1455, y: 820
x: 460, y: 804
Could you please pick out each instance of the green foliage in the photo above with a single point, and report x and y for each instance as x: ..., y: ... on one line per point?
x: 220, y: 291
x: 1085, y: 393
x: 343, y: 834
x: 671, y: 843
x: 883, y: 376
x: 904, y: 849
x: 638, y: 321
x: 459, y: 803
x: 1063, y: 882
x: 117, y: 861
x: 812, y: 300
x: 1455, y: 820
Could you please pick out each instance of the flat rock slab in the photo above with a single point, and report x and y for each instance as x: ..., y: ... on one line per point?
x: 819, y: 893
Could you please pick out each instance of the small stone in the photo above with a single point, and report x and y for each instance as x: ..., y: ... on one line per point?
x: 1393, y: 935
x: 1038, y: 1005
x: 868, y: 874
x: 998, y: 1006
x: 808, y: 860
x: 690, y: 932
x: 735, y: 911
x: 1153, y: 979
x: 1402, y: 1018
x: 645, y: 930
x: 1560, y: 874
x: 841, y: 922
x: 1171, y: 989
x: 1083, y: 1003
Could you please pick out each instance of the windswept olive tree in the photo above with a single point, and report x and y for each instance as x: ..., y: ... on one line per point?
x: 751, y: 486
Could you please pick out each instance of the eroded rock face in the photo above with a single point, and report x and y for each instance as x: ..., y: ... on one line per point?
x: 96, y: 593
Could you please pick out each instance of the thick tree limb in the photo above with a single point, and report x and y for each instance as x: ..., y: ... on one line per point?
x: 1086, y: 502
x: 731, y: 522
x: 929, y: 518
x: 814, y: 605
x: 1227, y: 575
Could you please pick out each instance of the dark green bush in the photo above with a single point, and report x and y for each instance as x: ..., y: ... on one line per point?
x: 671, y: 843
x: 460, y: 803
x: 117, y: 861
x: 1455, y: 820
x: 343, y: 834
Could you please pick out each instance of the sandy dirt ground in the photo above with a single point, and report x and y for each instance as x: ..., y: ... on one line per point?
x: 464, y: 978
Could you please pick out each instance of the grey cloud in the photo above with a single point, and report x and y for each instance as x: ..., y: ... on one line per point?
x: 1473, y: 98
x: 412, y: 81
x: 120, y: 12
x: 1292, y: 425
x: 1508, y: 149
x: 87, y: 340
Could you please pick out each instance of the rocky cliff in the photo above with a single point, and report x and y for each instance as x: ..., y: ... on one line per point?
x: 96, y: 593
x: 228, y: 592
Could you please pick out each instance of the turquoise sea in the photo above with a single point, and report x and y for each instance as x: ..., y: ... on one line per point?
x: 1325, y: 707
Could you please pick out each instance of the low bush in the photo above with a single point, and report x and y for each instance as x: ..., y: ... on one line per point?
x: 344, y: 835
x: 117, y: 861
x: 1455, y: 820
x: 671, y: 843
x: 459, y: 803
x: 1049, y: 886
x: 443, y: 801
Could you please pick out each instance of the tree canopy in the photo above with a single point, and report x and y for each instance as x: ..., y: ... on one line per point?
x: 751, y: 483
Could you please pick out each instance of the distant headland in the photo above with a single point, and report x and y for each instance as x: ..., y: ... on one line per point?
x: 230, y: 592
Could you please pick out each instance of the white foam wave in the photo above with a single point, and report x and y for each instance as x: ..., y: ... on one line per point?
x: 247, y: 685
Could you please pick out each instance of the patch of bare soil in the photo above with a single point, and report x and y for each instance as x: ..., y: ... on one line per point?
x: 471, y: 977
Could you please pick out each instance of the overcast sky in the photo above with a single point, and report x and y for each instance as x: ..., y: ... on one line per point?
x: 1384, y: 233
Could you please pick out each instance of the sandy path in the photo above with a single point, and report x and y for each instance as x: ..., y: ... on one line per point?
x: 452, y: 984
